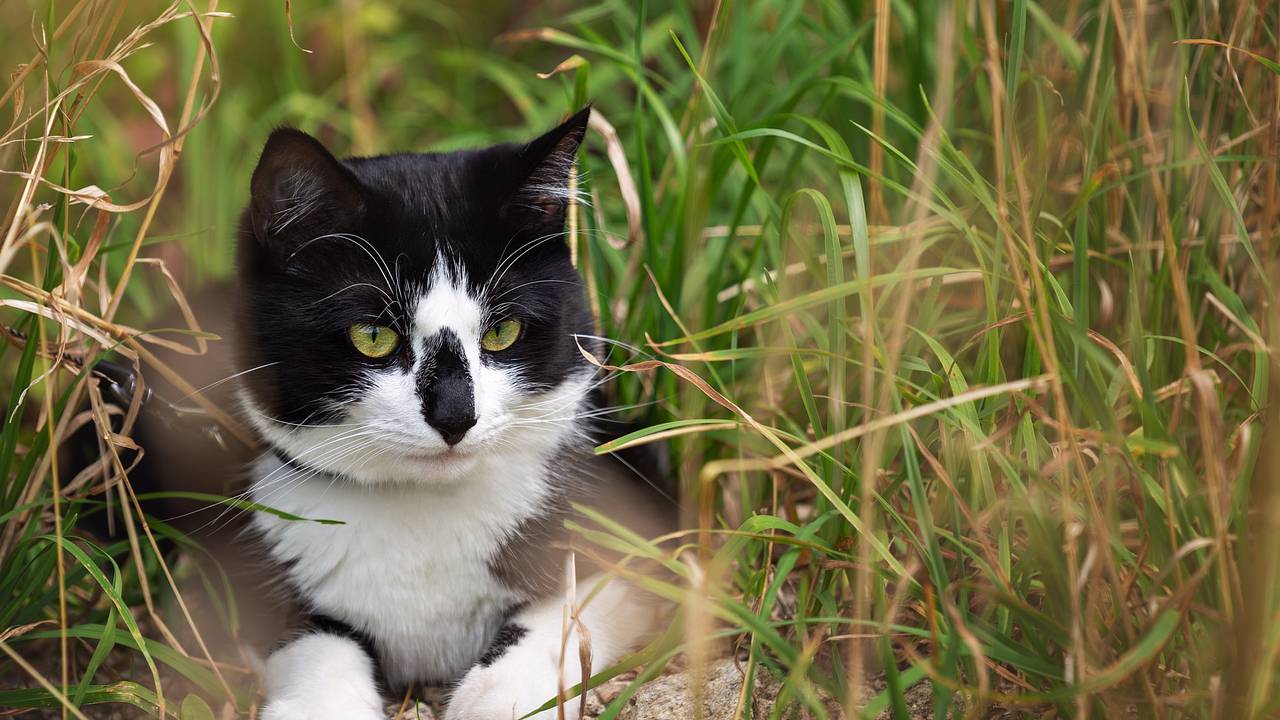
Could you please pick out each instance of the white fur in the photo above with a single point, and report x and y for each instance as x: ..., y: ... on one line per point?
x: 321, y: 677
x: 409, y: 566
x: 448, y: 305
x: 547, y: 659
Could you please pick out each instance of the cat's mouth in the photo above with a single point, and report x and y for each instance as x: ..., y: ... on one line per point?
x: 435, y: 454
x: 447, y: 465
x: 413, y: 450
x: 445, y: 456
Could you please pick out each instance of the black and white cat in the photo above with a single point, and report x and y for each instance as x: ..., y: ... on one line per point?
x: 413, y: 325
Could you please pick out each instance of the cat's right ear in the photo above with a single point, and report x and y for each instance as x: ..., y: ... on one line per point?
x: 301, y: 191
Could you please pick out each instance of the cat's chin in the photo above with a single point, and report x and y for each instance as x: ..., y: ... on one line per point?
x: 443, y: 466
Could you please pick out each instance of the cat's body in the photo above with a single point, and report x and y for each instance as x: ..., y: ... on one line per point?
x: 440, y: 571
x: 410, y: 331
x: 422, y: 592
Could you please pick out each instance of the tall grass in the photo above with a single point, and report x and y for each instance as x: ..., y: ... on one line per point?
x: 958, y: 319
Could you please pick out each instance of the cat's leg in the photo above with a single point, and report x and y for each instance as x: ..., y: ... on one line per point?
x: 321, y: 676
x: 511, y: 681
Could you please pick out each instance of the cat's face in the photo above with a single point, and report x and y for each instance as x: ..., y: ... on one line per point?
x: 401, y: 317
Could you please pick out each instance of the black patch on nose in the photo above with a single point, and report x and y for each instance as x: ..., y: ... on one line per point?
x: 445, y: 387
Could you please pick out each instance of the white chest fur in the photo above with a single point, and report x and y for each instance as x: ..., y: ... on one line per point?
x: 410, y: 565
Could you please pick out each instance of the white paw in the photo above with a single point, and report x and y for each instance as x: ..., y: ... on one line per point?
x: 321, y: 677
x: 522, y: 680
x: 320, y: 708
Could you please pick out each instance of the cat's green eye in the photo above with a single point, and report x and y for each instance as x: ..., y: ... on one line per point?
x: 375, y: 341
x: 501, y: 336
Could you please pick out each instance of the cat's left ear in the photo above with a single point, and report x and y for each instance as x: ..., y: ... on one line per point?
x: 299, y: 190
x: 545, y: 164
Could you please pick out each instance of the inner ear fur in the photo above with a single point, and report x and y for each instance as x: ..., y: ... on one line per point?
x: 544, y: 192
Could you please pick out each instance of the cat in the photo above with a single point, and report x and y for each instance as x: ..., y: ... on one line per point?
x: 410, y: 329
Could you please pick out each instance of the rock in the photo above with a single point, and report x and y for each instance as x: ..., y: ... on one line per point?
x: 669, y: 697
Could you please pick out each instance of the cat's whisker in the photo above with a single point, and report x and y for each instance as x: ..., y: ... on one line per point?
x: 505, y: 266
x: 215, y: 384
x: 400, y: 284
x: 507, y: 262
x: 332, y: 447
x: 500, y: 310
x: 369, y: 249
x: 334, y: 477
x: 301, y: 475
x: 264, y: 482
x: 531, y: 283
x: 583, y: 392
x: 271, y: 479
x: 375, y: 254
x: 497, y: 273
x: 575, y: 414
x: 354, y: 456
x: 304, y: 423
x: 352, y: 286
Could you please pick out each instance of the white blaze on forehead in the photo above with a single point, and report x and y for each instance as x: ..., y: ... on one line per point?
x: 447, y: 304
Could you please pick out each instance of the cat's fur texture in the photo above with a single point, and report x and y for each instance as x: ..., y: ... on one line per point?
x: 451, y: 468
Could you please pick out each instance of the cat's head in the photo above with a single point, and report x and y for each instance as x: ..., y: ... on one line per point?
x: 401, y: 317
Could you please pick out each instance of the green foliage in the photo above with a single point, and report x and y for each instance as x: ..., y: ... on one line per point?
x: 968, y: 376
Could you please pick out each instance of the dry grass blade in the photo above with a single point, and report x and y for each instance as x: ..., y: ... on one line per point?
x: 626, y: 185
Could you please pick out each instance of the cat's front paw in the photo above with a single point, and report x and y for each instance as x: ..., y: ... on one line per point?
x: 521, y: 681
x: 331, y: 708
x: 321, y: 677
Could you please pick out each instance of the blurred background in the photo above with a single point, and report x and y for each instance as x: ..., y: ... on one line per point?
x: 963, y: 315
x: 365, y: 77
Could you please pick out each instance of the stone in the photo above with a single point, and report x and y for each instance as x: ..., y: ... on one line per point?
x: 669, y: 697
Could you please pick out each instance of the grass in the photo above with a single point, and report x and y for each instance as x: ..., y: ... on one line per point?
x: 958, y: 317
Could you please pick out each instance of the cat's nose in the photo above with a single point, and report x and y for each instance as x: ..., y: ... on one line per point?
x: 448, y: 395
x: 452, y: 408
x: 453, y: 428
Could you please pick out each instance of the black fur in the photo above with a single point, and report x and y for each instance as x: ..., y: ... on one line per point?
x: 509, y: 635
x: 448, y: 395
